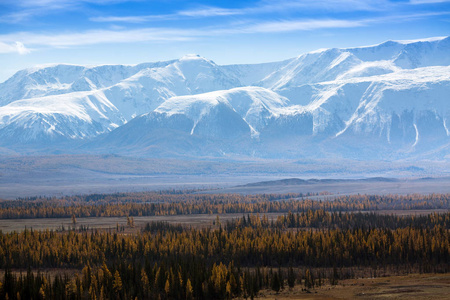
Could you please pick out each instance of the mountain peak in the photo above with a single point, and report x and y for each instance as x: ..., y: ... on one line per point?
x: 432, y: 39
x: 194, y: 60
x: 192, y: 57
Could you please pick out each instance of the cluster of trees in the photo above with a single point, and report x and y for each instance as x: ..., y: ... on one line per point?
x: 144, y: 204
x: 366, y: 238
x: 322, y: 219
x: 178, y: 203
x: 237, y: 258
x: 160, y: 281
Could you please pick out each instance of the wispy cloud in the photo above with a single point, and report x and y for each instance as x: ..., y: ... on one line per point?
x: 334, y: 5
x: 262, y: 7
x: 166, y: 34
x: 428, y: 1
x: 37, y: 3
x: 284, y: 26
x: 16, y: 47
x: 98, y: 37
x: 399, y: 18
x: 158, y: 34
x: 202, y: 12
x: 59, y: 3
x: 210, y: 12
x: 26, y: 9
x: 129, y: 19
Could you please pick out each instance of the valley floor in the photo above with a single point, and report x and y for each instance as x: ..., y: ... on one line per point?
x: 60, y: 175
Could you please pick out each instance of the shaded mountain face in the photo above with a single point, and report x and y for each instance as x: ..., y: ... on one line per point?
x: 386, y: 101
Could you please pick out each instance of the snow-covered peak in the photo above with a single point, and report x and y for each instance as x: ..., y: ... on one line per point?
x: 431, y: 39
x: 55, y: 79
x: 70, y: 116
x: 192, y: 57
x: 311, y: 68
x: 331, y: 64
x: 430, y: 52
x: 192, y: 63
x: 240, y: 99
x: 255, y: 105
x: 203, y: 75
x: 425, y: 54
x: 188, y: 104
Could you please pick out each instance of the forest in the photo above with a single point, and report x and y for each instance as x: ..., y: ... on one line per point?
x: 310, y: 243
x: 167, y: 203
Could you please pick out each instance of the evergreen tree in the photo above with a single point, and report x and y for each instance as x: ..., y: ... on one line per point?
x: 291, y: 278
x: 275, y: 282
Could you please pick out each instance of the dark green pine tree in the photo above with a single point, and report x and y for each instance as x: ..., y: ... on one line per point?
x: 291, y: 278
x: 275, y: 282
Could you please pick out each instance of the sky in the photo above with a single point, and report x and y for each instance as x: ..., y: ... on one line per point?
x: 92, y: 32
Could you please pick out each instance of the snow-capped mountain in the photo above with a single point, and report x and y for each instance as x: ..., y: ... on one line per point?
x: 55, y: 118
x: 389, y: 100
x: 148, y: 88
x: 61, y: 79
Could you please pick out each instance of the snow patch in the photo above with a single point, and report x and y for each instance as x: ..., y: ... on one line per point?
x: 446, y: 128
x: 417, y: 136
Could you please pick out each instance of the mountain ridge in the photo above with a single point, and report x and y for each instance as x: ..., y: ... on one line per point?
x: 383, y: 101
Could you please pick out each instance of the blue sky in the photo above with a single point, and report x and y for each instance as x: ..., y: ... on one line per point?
x: 35, y: 32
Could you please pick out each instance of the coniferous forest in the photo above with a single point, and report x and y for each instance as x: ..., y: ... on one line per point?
x: 309, y: 243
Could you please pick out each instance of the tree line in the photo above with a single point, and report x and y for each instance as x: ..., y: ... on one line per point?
x: 183, y: 203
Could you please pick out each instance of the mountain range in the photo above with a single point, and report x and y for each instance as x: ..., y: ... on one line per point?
x: 388, y: 101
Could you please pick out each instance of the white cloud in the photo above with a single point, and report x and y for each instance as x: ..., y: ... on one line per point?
x: 26, y: 9
x: 126, y: 19
x: 283, y: 26
x: 195, y: 13
x: 428, y: 1
x: 99, y: 37
x: 330, y: 5
x: 16, y: 47
x: 262, y: 7
x: 59, y: 3
x: 210, y: 12
x: 16, y: 17
x: 21, y: 49
x: 153, y: 34
x: 407, y: 17
x: 166, y: 34
x: 132, y: 19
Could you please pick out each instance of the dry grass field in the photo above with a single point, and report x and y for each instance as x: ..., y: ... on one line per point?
x: 195, y: 220
x: 415, y: 286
